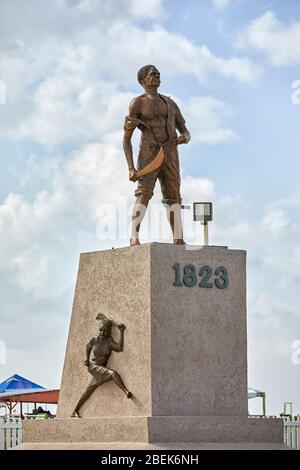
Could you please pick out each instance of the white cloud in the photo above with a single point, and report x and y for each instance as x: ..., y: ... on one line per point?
x: 270, y: 36
x: 207, y: 116
x: 221, y: 4
x: 146, y: 8
x: 73, y: 106
x: 276, y: 221
x: 26, y: 230
x: 96, y: 175
x: 70, y: 110
x: 2, y: 92
x: 31, y: 272
x: 72, y: 83
x: 203, y: 188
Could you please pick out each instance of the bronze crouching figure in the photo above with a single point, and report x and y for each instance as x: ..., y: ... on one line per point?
x: 101, y: 347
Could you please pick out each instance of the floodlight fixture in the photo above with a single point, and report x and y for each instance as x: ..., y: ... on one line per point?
x: 203, y: 212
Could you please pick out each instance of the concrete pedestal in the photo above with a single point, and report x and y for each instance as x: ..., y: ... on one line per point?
x: 185, y: 350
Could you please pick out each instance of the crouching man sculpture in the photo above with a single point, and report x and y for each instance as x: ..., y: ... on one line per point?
x: 101, y: 347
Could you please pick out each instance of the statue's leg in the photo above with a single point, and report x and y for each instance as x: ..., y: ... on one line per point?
x: 143, y: 192
x: 118, y: 381
x: 169, y: 179
x: 138, y: 214
x: 86, y: 394
x: 175, y: 221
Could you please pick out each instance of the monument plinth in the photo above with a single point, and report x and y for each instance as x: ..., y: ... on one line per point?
x: 185, y: 350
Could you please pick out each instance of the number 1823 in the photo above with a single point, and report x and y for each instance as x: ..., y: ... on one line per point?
x: 204, y: 277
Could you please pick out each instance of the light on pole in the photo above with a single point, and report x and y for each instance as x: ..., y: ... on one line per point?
x: 202, y: 212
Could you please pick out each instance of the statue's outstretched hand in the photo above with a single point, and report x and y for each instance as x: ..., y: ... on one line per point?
x: 132, y: 175
x: 121, y: 327
x: 182, y: 139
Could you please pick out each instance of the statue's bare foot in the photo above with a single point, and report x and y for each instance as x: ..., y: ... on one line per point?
x: 178, y: 241
x: 129, y: 394
x: 75, y: 414
x: 134, y: 241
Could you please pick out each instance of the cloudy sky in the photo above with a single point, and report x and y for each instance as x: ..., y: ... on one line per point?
x: 69, y: 70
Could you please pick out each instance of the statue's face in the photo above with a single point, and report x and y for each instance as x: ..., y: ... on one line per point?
x: 152, y: 78
x: 104, y: 331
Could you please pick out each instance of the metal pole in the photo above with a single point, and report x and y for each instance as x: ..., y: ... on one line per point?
x: 205, y: 228
x: 264, y: 403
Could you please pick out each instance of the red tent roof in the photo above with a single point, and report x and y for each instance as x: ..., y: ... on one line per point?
x: 30, y: 396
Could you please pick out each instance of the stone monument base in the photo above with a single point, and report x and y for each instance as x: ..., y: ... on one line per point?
x: 158, y: 446
x: 184, y: 357
x: 154, y: 429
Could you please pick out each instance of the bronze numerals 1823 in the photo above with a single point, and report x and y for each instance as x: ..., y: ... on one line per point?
x: 206, y: 276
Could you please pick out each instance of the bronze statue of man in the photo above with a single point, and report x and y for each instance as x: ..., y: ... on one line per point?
x: 159, y: 118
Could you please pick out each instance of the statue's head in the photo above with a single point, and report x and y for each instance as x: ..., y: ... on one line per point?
x: 105, y: 325
x: 149, y: 76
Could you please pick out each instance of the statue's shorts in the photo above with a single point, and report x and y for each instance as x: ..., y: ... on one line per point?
x: 168, y: 174
x: 100, y: 374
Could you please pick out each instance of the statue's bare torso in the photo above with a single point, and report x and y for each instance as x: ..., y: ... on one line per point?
x: 154, y: 113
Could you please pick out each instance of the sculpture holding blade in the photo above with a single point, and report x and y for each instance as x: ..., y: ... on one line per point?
x: 158, y: 159
x: 162, y: 128
x: 154, y: 165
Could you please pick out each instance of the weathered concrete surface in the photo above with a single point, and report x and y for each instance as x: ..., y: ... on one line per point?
x: 215, y: 428
x: 198, y: 335
x: 155, y: 429
x: 131, y: 429
x: 156, y: 446
x: 116, y: 282
x: 185, y: 347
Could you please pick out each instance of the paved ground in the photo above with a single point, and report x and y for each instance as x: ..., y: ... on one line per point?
x: 156, y: 446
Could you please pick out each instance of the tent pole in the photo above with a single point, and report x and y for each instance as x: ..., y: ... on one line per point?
x: 264, y: 403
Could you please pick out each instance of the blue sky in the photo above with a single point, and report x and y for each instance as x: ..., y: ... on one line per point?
x: 263, y: 113
x: 70, y: 71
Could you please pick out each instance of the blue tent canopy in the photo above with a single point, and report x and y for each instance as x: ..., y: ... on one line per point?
x: 16, y: 382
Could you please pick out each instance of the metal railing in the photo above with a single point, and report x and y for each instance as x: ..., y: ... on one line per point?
x: 10, y: 432
x: 292, y: 433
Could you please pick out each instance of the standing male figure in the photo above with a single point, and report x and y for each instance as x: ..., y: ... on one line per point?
x: 158, y: 117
